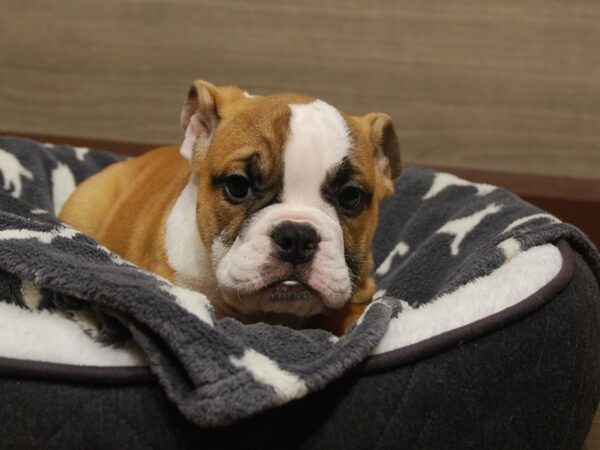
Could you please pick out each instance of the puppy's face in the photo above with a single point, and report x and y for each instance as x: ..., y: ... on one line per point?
x: 288, y: 193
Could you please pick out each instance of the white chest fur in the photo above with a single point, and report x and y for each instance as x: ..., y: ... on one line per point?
x: 186, y: 253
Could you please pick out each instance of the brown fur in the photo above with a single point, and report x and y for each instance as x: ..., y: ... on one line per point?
x: 125, y: 207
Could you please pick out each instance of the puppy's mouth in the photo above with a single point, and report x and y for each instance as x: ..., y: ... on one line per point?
x: 289, y: 289
x: 282, y: 294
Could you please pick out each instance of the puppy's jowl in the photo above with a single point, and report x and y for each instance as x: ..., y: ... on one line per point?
x: 268, y: 207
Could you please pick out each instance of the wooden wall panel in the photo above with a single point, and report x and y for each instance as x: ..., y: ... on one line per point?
x: 511, y: 85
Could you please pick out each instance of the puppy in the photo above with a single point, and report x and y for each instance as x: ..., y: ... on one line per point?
x: 268, y: 207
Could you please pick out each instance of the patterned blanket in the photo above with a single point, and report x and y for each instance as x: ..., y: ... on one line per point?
x: 437, y: 234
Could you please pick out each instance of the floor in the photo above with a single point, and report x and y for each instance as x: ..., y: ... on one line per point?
x: 593, y: 440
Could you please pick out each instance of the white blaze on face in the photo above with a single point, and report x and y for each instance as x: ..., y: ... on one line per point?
x: 318, y: 140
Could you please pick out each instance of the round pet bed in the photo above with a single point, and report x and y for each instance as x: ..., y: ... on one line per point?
x: 484, y: 333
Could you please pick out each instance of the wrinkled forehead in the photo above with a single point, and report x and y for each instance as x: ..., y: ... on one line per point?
x: 293, y: 141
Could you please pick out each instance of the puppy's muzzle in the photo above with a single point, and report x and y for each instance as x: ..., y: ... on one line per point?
x: 295, y: 242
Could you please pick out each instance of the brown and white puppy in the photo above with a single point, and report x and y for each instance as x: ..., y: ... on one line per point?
x: 268, y: 207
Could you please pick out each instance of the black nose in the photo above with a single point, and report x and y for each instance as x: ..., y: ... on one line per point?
x: 295, y: 242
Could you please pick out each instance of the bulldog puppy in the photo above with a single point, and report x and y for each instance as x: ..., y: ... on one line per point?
x: 268, y: 207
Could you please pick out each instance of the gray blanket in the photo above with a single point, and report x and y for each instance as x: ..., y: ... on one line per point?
x: 435, y: 235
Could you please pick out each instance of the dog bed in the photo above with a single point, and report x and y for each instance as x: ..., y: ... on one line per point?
x: 485, y: 332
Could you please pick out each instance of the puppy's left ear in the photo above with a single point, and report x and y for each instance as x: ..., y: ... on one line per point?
x: 386, y: 150
x: 202, y: 112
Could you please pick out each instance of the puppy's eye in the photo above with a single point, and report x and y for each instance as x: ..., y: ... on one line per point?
x: 351, y: 198
x: 237, y: 188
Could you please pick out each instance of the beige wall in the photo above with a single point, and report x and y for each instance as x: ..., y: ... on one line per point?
x: 507, y: 85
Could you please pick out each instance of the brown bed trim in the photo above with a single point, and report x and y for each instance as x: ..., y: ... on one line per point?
x: 71, y: 373
x: 458, y: 336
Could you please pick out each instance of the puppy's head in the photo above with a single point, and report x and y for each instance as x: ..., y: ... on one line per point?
x: 288, y: 194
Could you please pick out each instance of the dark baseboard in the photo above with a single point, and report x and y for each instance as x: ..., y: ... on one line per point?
x: 572, y: 200
x: 124, y: 148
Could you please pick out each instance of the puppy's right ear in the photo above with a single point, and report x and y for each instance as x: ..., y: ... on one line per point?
x: 204, y: 108
x: 199, y: 118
